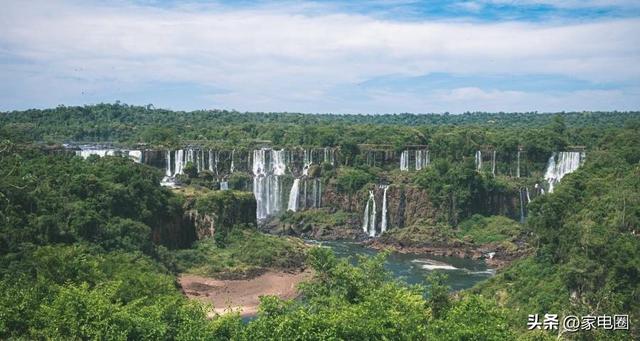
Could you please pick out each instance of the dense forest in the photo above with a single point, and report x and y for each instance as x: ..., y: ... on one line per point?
x: 88, y: 247
x: 134, y: 124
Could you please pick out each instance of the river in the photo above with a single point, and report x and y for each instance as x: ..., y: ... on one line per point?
x: 413, y: 269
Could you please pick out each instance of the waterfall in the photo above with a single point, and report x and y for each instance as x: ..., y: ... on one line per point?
x: 268, y: 166
x: 305, y: 194
x: 493, y: 163
x: 293, y: 196
x: 521, y: 206
x: 528, y: 196
x: 200, y: 161
x: 518, y: 169
x: 308, y: 160
x: 314, y: 194
x: 329, y: 156
x: 167, y: 171
x: 233, y: 167
x: 278, y: 162
x: 422, y: 159
x: 567, y: 162
x: 383, y: 225
x: 135, y: 155
x: 214, y: 158
x: 317, y: 193
x: 478, y: 160
x: 179, y: 161
x: 369, y: 219
x: 224, y: 185
x: 404, y: 161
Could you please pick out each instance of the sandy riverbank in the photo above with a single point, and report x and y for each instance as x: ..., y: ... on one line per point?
x: 242, y: 295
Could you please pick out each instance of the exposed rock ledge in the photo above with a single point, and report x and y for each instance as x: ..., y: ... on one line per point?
x: 493, y: 254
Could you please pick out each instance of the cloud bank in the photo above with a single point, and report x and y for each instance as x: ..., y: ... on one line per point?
x: 292, y: 57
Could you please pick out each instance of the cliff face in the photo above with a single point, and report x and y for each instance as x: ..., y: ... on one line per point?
x: 202, y: 216
x: 220, y: 210
x: 407, y: 205
x: 175, y: 232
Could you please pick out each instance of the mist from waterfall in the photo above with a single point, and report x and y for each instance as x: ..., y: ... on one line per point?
x: 560, y: 165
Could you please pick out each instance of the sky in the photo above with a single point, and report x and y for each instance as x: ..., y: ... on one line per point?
x: 328, y: 56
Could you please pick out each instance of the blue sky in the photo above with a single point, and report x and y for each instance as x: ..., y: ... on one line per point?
x: 323, y: 56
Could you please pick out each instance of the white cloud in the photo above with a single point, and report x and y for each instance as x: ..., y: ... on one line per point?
x: 570, y: 4
x: 284, y: 59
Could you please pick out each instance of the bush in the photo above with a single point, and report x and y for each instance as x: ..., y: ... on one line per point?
x: 351, y: 180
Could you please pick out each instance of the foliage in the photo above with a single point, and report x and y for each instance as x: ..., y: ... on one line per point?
x: 588, y: 259
x: 109, y: 201
x: 363, y: 302
x: 243, y: 252
x: 458, y: 190
x: 126, y: 123
x: 351, y: 180
x: 483, y: 230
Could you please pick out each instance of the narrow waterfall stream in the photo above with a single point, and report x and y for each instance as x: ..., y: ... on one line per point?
x: 369, y: 219
x: 293, y: 196
x: 383, y: 224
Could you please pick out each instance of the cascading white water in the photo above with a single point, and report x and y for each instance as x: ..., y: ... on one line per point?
x: 567, y: 162
x: 278, y: 162
x: 307, y: 161
x: 179, y: 161
x: 316, y: 193
x: 85, y: 153
x: 268, y: 166
x: 214, y: 158
x: 233, y: 165
x: 329, y: 156
x: 167, y: 171
x: 383, y: 224
x: 522, y: 206
x: 224, y: 185
x: 518, y: 169
x: 369, y: 219
x: 293, y: 196
x: 528, y: 196
x: 135, y: 155
x: 422, y: 159
x: 404, y: 161
x: 478, y: 160
x: 314, y: 201
x: 493, y: 163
